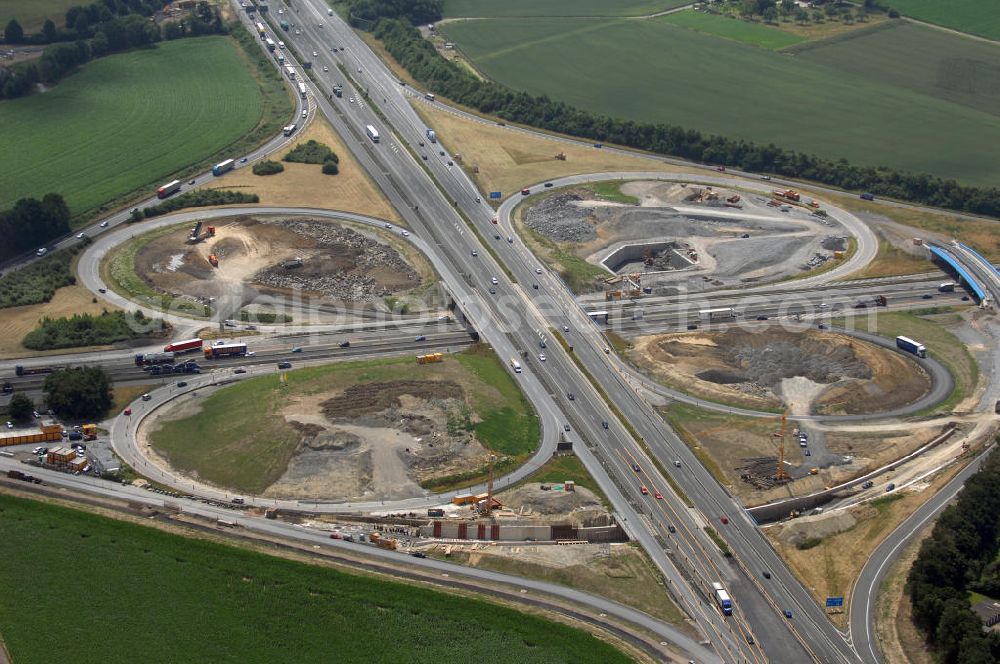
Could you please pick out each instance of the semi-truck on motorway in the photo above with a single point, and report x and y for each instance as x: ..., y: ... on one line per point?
x: 270, y: 44
x: 183, y: 346
x: 34, y: 371
x: 431, y: 136
x: 372, y: 133
x: 722, y: 599
x: 260, y: 29
x: 166, y: 357
x: 302, y: 90
x: 223, y: 167
x: 169, y: 188
x: 911, y: 346
x: 290, y: 70
x: 515, y: 365
x: 723, y: 313
x: 225, y: 350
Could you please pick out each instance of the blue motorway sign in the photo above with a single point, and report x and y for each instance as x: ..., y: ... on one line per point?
x: 494, y: 195
x: 834, y: 601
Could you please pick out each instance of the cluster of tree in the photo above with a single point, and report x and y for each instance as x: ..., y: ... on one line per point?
x: 80, y: 21
x: 445, y: 78
x: 88, y: 330
x: 92, y: 31
x: 964, y: 542
x: 21, y: 408
x: 80, y: 393
x: 314, y: 152
x: 417, y: 11
x: 200, y: 198
x: 31, y: 223
x: 267, y: 167
x: 37, y: 282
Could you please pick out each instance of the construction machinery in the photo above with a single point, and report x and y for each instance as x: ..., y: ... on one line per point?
x: 196, y: 234
x: 787, y: 194
x: 561, y: 156
x: 780, y: 474
x: 430, y: 358
x: 486, y: 506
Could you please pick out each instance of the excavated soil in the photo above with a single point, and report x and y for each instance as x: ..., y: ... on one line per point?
x: 752, y: 368
x: 378, y: 441
x: 256, y: 257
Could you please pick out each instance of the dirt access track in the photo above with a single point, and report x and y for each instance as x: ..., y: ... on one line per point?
x: 700, y: 235
x: 272, y: 256
x: 770, y: 367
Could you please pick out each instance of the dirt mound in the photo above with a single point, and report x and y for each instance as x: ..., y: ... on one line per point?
x: 751, y: 367
x: 556, y: 219
x: 370, y: 398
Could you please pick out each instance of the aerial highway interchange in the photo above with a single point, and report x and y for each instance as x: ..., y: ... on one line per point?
x: 505, y: 295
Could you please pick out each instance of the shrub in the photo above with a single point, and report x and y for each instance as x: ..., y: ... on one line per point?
x: 267, y: 167
x: 201, y: 198
x: 311, y: 152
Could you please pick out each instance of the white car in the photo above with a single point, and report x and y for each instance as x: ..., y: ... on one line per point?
x: 80, y: 236
x: 389, y: 226
x: 325, y: 68
x: 315, y: 54
x: 281, y: 11
x: 538, y: 270
x: 406, y: 233
x: 305, y: 112
x: 541, y: 356
x: 104, y: 224
x: 494, y: 281
x: 352, y: 100
x: 10, y: 425
x: 251, y: 353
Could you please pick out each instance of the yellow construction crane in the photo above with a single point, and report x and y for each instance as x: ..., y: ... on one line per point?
x: 488, y: 507
x: 780, y: 474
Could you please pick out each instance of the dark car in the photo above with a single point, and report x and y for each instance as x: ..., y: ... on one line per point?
x: 636, y: 468
x: 788, y: 614
x: 767, y: 575
x: 671, y: 529
x: 418, y: 554
x: 926, y: 296
x: 571, y: 396
x: 821, y: 326
x: 237, y: 501
x: 182, y: 384
x: 548, y: 184
x: 565, y: 427
x: 724, y: 520
x: 441, y: 153
x: 284, y: 365
x: 761, y: 317
x: 692, y: 326
x: 345, y: 344
x: 240, y: 370
x: 424, y: 157
x: 604, y: 424
x: 421, y: 338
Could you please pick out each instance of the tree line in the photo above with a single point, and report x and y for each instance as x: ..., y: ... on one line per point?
x: 445, y: 78
x: 417, y: 11
x: 197, y: 198
x: 960, y: 555
x: 31, y: 223
x: 96, y: 30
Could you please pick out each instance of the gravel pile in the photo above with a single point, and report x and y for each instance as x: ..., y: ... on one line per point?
x: 556, y: 219
x: 344, y: 270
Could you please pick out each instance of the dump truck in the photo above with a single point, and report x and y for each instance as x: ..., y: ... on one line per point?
x: 787, y: 194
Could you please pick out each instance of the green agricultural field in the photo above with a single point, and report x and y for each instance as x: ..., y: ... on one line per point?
x: 250, y: 446
x: 755, y: 34
x: 857, y: 99
x: 978, y: 17
x: 492, y: 8
x: 126, y: 121
x: 31, y: 14
x: 122, y: 592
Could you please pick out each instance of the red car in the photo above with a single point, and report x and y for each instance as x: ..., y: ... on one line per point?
x: 128, y: 411
x: 658, y: 495
x: 644, y: 490
x: 724, y: 520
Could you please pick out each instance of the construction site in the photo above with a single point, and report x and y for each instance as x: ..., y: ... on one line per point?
x: 237, y: 261
x: 682, y: 235
x: 771, y: 368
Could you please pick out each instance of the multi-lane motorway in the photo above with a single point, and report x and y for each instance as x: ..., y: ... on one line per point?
x: 441, y: 205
